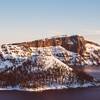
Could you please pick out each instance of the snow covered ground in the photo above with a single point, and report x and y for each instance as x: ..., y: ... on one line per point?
x: 52, y: 87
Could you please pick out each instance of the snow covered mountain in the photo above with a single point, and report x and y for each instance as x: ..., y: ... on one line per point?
x: 48, y: 63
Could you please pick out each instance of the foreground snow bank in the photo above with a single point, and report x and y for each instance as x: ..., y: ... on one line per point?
x: 52, y: 87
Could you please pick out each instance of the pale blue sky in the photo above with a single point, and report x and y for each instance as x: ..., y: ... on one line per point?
x: 24, y: 20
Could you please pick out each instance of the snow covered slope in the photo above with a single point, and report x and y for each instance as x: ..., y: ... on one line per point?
x: 43, y: 71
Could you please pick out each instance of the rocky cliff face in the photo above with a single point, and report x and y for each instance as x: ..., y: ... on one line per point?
x: 73, y: 43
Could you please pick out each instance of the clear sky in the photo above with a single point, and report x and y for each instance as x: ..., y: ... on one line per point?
x: 24, y: 20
